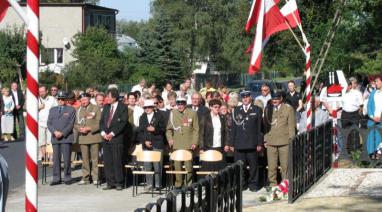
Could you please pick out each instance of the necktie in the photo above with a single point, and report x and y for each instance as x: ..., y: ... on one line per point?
x: 245, y: 108
x: 59, y: 109
x: 110, y: 116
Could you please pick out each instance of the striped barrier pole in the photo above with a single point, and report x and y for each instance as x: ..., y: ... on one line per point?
x: 31, y: 173
x: 308, y: 89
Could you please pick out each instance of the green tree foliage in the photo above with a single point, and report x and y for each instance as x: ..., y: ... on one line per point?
x: 12, y: 53
x: 97, y: 59
x: 157, y: 50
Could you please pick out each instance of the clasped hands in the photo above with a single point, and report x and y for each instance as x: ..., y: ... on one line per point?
x: 108, y: 137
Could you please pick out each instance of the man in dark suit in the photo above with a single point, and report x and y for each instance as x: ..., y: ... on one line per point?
x: 151, y: 131
x: 247, y: 138
x: 60, y: 123
x: 113, y: 123
x: 18, y: 99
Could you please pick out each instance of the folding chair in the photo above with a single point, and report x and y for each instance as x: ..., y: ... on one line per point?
x: 48, y: 161
x: 146, y: 157
x: 210, y: 156
x: 138, y: 149
x: 179, y: 156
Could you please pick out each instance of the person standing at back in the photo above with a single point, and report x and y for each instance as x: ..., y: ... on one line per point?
x: 45, y: 102
x: 60, y: 124
x: 113, y: 123
x: 18, y: 99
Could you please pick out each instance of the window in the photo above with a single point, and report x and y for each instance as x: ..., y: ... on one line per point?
x: 52, y: 55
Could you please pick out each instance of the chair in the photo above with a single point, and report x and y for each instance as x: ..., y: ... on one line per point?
x: 138, y: 149
x: 75, y: 150
x: 210, y: 156
x: 47, y: 161
x: 179, y: 156
x: 148, y: 157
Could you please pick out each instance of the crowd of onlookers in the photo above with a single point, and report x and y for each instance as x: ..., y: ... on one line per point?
x: 108, y: 126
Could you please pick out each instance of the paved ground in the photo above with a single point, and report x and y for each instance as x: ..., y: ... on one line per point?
x: 339, y: 190
x: 14, y: 154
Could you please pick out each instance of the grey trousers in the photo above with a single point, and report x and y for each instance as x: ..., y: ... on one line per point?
x: 157, y: 169
x: 4, y: 183
x: 65, y: 150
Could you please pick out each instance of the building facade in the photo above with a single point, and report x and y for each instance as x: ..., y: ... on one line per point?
x: 59, y: 22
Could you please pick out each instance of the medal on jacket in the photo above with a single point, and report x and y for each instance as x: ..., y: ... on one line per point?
x: 239, y: 119
x: 186, y: 122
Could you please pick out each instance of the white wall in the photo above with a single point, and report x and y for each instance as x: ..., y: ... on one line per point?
x: 56, y: 23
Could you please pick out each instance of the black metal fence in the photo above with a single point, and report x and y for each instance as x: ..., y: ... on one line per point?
x: 310, y: 157
x: 221, y: 192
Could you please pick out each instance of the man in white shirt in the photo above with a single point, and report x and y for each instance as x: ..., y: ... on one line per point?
x: 45, y: 102
x: 137, y: 111
x: 352, y: 103
x: 139, y: 87
x: 265, y: 95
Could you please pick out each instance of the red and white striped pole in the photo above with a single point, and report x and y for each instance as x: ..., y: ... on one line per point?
x: 308, y: 89
x: 31, y: 175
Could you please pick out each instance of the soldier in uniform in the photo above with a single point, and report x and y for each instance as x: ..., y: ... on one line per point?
x: 247, y: 138
x: 183, y: 133
x: 87, y: 127
x: 60, y: 124
x: 280, y: 123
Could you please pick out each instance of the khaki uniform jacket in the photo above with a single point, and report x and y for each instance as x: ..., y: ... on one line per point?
x: 88, y: 117
x: 282, y: 126
x: 183, y: 128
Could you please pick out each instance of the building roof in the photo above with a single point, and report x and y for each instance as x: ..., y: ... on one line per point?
x: 125, y: 41
x: 84, y: 5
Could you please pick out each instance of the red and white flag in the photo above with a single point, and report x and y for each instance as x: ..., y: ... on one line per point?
x: 291, y: 14
x: 269, y: 21
x: 3, y: 8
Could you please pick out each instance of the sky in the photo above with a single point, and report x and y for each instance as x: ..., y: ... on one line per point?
x: 132, y: 10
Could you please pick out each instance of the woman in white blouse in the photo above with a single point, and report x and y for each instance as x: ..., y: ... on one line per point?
x: 7, y: 115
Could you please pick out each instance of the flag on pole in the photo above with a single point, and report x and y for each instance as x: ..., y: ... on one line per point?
x: 291, y: 14
x: 269, y: 21
x: 3, y: 8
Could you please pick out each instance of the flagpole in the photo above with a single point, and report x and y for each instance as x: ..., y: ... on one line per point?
x: 295, y: 37
x: 308, y: 73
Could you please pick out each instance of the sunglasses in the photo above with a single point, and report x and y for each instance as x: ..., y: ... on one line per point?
x: 181, y: 103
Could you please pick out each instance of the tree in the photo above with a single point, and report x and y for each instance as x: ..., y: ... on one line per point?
x: 97, y: 59
x: 157, y: 50
x: 12, y: 53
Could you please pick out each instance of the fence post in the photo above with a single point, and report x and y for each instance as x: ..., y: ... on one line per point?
x: 290, y: 171
x: 239, y: 187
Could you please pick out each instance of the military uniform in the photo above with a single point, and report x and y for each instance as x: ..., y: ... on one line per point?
x: 183, y: 129
x: 61, y: 118
x: 89, y: 143
x: 282, y: 128
x: 246, y: 135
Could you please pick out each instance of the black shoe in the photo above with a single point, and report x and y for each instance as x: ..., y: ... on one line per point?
x: 55, y: 183
x: 255, y: 189
x: 119, y: 188
x: 69, y: 182
x: 108, y: 187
